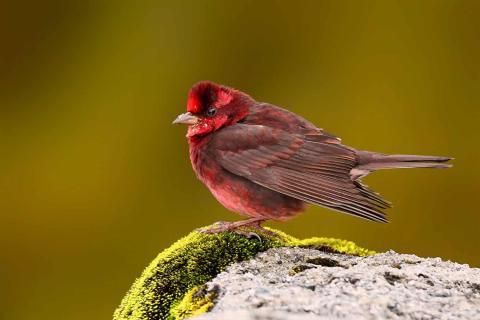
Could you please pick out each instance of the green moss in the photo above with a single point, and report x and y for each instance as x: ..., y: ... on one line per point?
x: 160, y: 292
x: 195, y: 302
x: 341, y: 246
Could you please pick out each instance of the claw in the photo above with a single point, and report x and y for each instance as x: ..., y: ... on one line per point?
x: 202, y: 230
x: 247, y: 234
x: 268, y: 232
x: 222, y: 226
x: 211, y: 230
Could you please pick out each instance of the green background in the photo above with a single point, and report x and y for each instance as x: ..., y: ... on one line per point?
x: 95, y: 181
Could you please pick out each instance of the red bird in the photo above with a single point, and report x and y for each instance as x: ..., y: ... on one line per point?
x: 267, y: 163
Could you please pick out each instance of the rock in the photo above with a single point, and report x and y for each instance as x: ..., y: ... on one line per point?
x: 303, y: 284
x: 172, y: 286
x: 280, y: 277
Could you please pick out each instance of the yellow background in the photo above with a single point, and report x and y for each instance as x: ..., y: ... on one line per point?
x: 95, y: 181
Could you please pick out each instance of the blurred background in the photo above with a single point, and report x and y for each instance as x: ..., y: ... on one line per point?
x: 95, y: 181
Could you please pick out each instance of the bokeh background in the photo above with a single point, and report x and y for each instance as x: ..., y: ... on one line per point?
x: 95, y: 181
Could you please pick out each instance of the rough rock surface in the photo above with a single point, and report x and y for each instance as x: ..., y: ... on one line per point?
x: 304, y: 284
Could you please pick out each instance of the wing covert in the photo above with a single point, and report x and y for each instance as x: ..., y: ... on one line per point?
x: 296, y: 165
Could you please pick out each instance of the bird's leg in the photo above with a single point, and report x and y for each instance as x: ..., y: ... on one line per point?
x: 234, y: 227
x: 223, y: 226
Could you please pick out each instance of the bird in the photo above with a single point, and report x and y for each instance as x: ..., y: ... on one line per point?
x: 267, y: 163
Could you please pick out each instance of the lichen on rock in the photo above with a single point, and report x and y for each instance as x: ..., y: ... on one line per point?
x: 166, y: 287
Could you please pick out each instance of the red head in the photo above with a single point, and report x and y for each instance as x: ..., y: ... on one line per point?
x: 211, y: 106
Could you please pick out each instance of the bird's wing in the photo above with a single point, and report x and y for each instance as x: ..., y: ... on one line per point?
x: 295, y: 165
x: 279, y: 118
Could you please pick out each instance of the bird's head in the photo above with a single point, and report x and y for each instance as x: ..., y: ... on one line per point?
x: 211, y: 107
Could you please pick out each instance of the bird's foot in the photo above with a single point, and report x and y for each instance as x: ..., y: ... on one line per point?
x: 217, y: 227
x: 222, y: 226
x: 265, y: 231
x: 234, y: 227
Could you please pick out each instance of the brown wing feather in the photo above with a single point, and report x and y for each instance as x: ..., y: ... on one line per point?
x: 279, y: 118
x: 298, y: 166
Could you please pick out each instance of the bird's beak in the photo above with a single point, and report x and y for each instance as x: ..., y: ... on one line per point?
x: 186, y: 118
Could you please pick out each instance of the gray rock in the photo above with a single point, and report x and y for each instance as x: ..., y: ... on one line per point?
x: 305, y: 284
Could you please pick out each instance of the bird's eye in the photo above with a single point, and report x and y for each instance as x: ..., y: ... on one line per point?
x: 211, y: 112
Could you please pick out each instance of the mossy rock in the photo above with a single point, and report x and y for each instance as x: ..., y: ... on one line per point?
x: 171, y: 287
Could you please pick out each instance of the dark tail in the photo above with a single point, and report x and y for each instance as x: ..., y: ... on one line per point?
x: 372, y: 161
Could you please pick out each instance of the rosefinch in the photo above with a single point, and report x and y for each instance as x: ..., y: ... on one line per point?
x: 267, y: 163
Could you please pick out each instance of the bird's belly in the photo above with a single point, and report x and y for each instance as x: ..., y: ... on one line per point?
x: 243, y: 196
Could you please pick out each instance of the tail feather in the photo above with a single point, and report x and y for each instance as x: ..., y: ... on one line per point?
x: 372, y: 161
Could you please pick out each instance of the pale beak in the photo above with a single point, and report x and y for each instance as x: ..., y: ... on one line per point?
x: 186, y: 118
